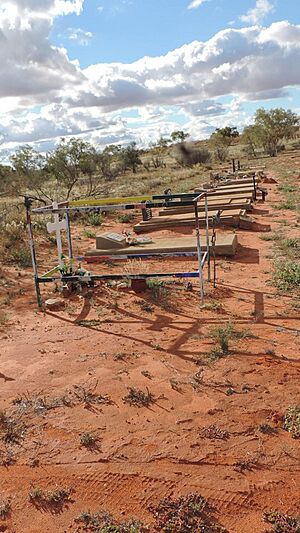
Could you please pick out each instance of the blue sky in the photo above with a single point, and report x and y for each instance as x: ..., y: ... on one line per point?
x: 113, y: 71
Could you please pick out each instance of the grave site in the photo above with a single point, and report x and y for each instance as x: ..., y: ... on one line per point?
x: 150, y: 352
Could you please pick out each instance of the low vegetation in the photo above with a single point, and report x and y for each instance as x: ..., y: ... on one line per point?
x: 222, y: 336
x: 5, y: 509
x: 139, y: 398
x: 281, y: 523
x: 286, y: 275
x: 292, y: 421
x: 186, y: 513
x: 54, y: 500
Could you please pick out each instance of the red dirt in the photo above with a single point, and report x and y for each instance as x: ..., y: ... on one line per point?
x: 144, y: 454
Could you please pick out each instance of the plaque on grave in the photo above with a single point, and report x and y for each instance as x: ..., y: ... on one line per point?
x: 110, y: 241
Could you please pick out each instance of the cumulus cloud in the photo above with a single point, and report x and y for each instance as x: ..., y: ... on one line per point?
x: 196, y: 3
x: 257, y: 13
x: 29, y: 65
x: 234, y: 61
x: 250, y: 63
x: 80, y: 36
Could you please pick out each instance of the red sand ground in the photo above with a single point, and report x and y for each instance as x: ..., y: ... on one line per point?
x: 144, y: 454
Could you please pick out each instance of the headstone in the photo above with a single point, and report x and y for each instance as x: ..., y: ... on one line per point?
x: 110, y: 241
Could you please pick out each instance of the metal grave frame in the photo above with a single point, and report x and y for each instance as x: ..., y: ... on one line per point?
x: 116, y: 204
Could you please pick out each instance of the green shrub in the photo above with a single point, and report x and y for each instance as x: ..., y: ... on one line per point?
x: 286, y: 275
x: 127, y: 217
x: 22, y: 256
x: 95, y: 219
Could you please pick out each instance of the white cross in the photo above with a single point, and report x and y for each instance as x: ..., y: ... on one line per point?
x: 56, y: 227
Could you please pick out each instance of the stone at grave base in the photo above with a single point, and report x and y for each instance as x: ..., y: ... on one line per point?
x: 54, y: 304
x: 110, y: 241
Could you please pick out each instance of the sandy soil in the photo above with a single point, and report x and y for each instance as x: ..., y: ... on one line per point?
x: 111, y: 339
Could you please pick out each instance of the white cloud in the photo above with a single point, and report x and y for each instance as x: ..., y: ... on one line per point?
x: 257, y: 14
x: 20, y: 13
x: 80, y: 36
x: 196, y: 3
x: 251, y: 63
x: 30, y: 67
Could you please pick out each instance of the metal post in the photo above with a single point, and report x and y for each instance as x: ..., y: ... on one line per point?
x: 207, y: 238
x: 254, y: 185
x: 199, y: 251
x: 70, y: 249
x: 32, y: 251
x: 233, y: 166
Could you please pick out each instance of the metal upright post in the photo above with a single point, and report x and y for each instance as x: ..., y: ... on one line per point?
x: 70, y: 249
x: 32, y: 251
x: 197, y: 222
x: 254, y: 185
x: 207, y: 238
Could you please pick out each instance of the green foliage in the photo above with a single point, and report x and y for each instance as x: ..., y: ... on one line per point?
x: 271, y: 128
x: 89, y: 234
x: 289, y: 203
x: 227, y: 132
x: 30, y: 173
x: 21, y: 256
x: 179, y: 136
x: 127, y: 217
x: 103, y: 522
x: 281, y: 523
x: 292, y: 421
x: 95, y: 219
x: 131, y: 157
x: 72, y: 159
x: 190, y: 513
x: 223, y: 335
x: 286, y: 275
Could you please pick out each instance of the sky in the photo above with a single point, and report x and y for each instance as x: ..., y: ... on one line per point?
x: 117, y: 71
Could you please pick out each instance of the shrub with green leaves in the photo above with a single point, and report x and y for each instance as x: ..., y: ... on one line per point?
x: 286, y: 275
x: 281, y: 523
x: 95, y: 219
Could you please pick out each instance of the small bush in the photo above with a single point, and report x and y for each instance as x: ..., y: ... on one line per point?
x: 214, y: 432
x: 88, y: 440
x: 89, y: 234
x: 95, y: 219
x: 127, y: 217
x: 5, y: 509
x: 286, y: 204
x: 138, y: 397
x: 105, y: 523
x: 187, y: 513
x: 221, y: 153
x: 160, y: 294
x: 286, y: 275
x: 281, y: 523
x: 51, y: 499
x: 21, y: 256
x: 292, y: 421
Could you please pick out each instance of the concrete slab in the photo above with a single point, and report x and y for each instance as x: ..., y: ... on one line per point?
x: 229, y: 217
x: 226, y: 244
